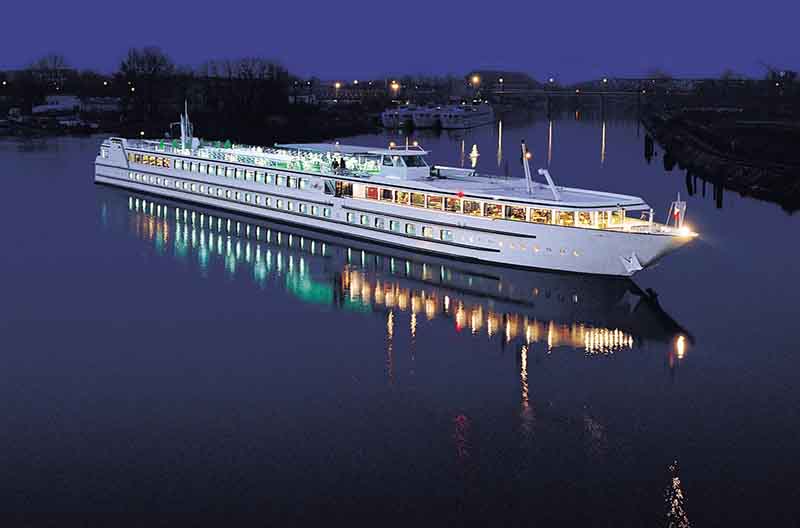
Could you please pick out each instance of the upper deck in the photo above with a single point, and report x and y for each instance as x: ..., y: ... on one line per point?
x: 387, y: 166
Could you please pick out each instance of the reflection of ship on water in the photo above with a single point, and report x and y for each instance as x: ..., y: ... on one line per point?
x: 600, y: 315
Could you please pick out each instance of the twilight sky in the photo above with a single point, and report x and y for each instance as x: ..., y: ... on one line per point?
x: 346, y: 39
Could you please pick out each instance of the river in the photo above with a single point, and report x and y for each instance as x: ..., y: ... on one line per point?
x: 167, y: 358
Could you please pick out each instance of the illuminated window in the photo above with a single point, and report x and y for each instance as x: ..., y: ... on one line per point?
x: 259, y: 177
x: 427, y: 232
x: 435, y: 202
x: 303, y: 183
x: 292, y: 182
x: 411, y: 229
x: 394, y: 225
x: 194, y: 187
x: 372, y: 193
x: 364, y: 220
x: 452, y: 204
x: 249, y: 175
x: 387, y: 195
x: 446, y: 235
x: 542, y: 216
x: 402, y: 197
x: 202, y: 188
x: 281, y: 180
x: 585, y: 218
x: 617, y: 217
x: 472, y: 208
x: 566, y: 218
x: 418, y: 200
x: 229, y: 171
x: 203, y: 168
x: 515, y: 213
x: 491, y: 210
x: 270, y: 179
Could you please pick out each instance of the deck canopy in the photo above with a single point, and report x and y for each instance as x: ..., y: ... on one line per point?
x: 352, y: 150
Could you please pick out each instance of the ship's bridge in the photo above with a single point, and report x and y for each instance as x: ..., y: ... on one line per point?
x: 398, y: 163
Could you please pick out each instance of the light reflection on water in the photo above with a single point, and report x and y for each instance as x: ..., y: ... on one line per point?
x: 600, y: 316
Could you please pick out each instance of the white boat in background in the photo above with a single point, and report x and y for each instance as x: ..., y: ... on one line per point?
x: 467, y: 116
x: 391, y: 196
x: 400, y: 117
x: 428, y: 117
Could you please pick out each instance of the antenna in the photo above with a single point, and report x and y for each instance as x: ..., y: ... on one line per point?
x: 526, y: 166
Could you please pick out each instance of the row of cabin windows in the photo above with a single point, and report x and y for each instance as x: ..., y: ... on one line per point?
x: 453, y: 204
x: 239, y: 196
x: 239, y: 173
x: 396, y: 226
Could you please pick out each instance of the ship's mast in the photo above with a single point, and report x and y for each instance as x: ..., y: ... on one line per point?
x: 186, y: 127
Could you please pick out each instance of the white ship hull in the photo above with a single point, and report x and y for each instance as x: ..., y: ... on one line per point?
x: 502, y: 242
x: 467, y: 117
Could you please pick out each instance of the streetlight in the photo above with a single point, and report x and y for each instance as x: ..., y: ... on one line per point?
x: 355, y: 82
x: 551, y: 80
x: 395, y: 87
x: 105, y: 83
x: 133, y: 88
x: 476, y: 80
x: 605, y: 80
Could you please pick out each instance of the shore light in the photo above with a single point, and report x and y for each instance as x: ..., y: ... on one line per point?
x: 605, y: 80
x: 133, y: 88
x: 392, y: 144
x: 337, y: 85
x: 415, y: 143
x: 476, y: 79
x: 141, y: 133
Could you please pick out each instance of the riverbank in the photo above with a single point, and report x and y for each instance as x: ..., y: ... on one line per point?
x: 299, y: 125
x: 725, y: 146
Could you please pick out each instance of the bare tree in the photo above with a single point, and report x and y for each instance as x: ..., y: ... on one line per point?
x: 50, y: 62
x: 146, y: 62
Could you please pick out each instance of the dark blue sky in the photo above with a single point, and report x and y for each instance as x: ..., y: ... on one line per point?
x: 353, y: 39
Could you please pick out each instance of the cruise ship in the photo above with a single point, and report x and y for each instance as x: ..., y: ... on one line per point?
x: 393, y: 197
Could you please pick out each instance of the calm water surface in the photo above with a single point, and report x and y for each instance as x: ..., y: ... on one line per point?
x: 163, y: 357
